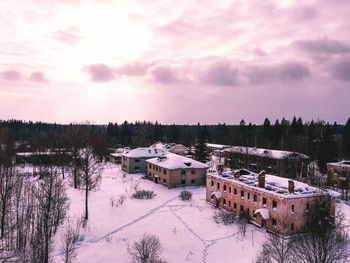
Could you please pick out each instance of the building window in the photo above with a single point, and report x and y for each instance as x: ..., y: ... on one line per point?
x: 154, y: 167
x: 224, y: 187
x: 274, y: 205
x: 193, y: 171
x: 183, y: 172
x: 235, y: 191
x: 137, y: 167
x: 254, y: 215
x: 292, y: 209
x: 241, y: 209
x: 137, y: 160
x: 242, y: 194
x: 264, y: 201
x: 218, y: 186
x: 229, y: 189
x: 193, y: 181
x: 229, y: 204
x: 307, y: 207
x: 273, y: 222
x: 164, y: 180
x: 150, y: 166
x: 149, y: 174
x: 164, y: 171
x: 248, y: 196
x: 255, y: 198
x: 224, y: 201
x: 292, y: 227
x: 183, y: 181
x: 234, y: 206
x: 212, y: 183
x: 248, y: 211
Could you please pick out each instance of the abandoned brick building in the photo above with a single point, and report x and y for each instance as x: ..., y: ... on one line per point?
x: 173, y: 170
x: 281, y: 163
x: 279, y: 204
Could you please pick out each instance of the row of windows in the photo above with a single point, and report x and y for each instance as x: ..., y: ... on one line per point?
x: 255, y: 197
x: 241, y: 210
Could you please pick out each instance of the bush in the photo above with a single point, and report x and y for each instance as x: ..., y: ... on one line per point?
x: 147, y: 249
x: 224, y: 217
x: 143, y: 194
x: 185, y: 195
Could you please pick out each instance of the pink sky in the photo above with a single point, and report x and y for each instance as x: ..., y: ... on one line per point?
x: 175, y: 61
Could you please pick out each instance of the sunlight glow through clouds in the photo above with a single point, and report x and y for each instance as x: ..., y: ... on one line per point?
x: 178, y: 61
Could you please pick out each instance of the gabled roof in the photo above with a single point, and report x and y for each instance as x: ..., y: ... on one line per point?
x: 144, y: 153
x: 174, y: 161
x: 269, y: 153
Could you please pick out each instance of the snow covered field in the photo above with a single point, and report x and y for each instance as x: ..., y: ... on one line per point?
x: 186, y: 229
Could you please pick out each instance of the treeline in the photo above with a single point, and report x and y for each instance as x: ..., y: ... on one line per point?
x: 310, y: 138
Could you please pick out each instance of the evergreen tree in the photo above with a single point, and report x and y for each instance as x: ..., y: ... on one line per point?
x: 327, y: 151
x: 201, y: 150
x: 346, y: 139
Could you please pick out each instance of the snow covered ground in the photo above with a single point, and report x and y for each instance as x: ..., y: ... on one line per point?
x: 186, y: 229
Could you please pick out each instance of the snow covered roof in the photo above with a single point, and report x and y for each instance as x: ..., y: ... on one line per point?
x: 162, y: 145
x: 216, y: 194
x: 274, y: 185
x: 116, y: 154
x: 341, y: 164
x: 174, y: 161
x: 144, y: 153
x: 263, y: 212
x: 274, y: 154
x: 217, y: 146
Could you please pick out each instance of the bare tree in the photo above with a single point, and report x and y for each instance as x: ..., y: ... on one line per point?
x: 147, y: 249
x: 277, y: 249
x: 327, y: 240
x: 69, y: 239
x: 91, y: 169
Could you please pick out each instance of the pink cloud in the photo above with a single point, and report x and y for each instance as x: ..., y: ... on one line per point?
x: 100, y: 73
x: 11, y: 75
x: 164, y: 74
x: 38, y: 77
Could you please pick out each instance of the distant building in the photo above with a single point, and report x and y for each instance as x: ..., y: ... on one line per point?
x: 172, y: 170
x: 134, y: 161
x: 339, y: 174
x: 214, y: 147
x: 280, y: 205
x: 172, y: 148
x: 281, y: 163
x: 116, y: 156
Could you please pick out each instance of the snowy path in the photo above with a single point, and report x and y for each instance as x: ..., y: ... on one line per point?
x: 150, y: 212
x: 206, y: 242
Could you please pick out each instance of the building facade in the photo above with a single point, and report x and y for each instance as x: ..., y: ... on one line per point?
x: 173, y: 170
x: 339, y: 174
x: 281, y: 163
x: 134, y: 161
x: 278, y: 204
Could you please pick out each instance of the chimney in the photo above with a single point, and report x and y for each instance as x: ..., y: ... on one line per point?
x: 291, y: 186
x: 237, y: 174
x: 220, y: 168
x: 261, y: 179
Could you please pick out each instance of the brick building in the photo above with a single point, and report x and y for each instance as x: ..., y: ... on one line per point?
x: 281, y: 163
x: 276, y: 203
x: 134, y: 161
x: 172, y: 170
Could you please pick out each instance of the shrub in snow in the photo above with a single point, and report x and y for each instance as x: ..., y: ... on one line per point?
x: 143, y: 194
x: 185, y: 195
x: 147, y: 249
x: 224, y: 217
x: 70, y: 237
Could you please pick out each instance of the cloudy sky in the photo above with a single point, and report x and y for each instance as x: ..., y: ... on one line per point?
x: 175, y: 61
